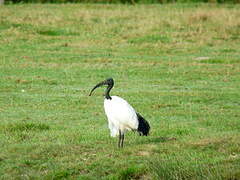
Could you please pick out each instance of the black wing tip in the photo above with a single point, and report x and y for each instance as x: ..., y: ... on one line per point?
x: 143, y: 126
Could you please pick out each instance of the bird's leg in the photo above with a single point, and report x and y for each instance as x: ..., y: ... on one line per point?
x: 120, y: 138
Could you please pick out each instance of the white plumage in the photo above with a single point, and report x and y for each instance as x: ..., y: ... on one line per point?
x: 121, y: 115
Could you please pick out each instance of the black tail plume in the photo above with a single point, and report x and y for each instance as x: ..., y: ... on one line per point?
x: 143, y: 126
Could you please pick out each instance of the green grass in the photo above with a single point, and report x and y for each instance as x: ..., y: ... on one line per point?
x: 178, y: 65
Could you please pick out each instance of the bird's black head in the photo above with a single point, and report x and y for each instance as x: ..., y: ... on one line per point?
x: 109, y: 82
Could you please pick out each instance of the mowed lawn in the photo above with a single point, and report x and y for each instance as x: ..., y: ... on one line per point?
x: 176, y: 64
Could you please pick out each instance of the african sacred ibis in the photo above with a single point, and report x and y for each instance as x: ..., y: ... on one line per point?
x: 121, y: 115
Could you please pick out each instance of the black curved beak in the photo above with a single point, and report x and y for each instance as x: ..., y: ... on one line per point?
x: 98, y: 85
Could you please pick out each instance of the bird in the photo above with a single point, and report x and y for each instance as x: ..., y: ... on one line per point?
x: 121, y: 116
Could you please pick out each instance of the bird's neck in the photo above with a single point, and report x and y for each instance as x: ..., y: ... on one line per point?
x: 107, y: 95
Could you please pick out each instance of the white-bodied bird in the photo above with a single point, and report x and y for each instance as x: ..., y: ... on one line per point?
x: 121, y: 115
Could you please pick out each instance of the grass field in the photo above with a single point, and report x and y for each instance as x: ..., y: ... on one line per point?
x: 178, y: 65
